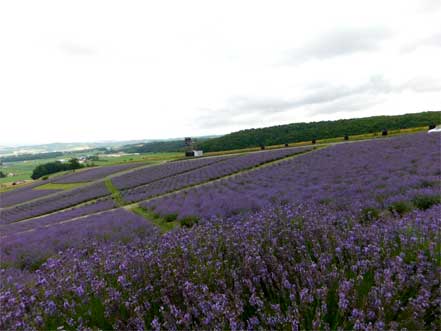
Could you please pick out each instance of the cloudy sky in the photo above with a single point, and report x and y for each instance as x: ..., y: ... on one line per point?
x: 113, y: 70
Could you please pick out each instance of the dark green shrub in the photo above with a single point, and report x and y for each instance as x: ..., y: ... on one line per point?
x: 369, y: 214
x: 424, y: 202
x: 426, y: 184
x: 171, y: 217
x: 325, y: 201
x: 189, y: 221
x: 400, y: 207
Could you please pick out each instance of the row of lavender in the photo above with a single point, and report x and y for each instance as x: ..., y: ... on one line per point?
x: 23, y: 194
x: 376, y: 175
x: 53, y: 203
x: 29, y: 192
x: 99, y: 205
x: 150, y: 174
x: 281, y: 268
x: 96, y: 173
x: 216, y: 170
x: 27, y: 250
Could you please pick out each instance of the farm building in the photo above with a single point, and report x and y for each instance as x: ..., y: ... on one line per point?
x: 194, y: 153
x: 436, y: 129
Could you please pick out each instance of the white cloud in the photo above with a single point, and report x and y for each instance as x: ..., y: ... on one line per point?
x: 99, y: 70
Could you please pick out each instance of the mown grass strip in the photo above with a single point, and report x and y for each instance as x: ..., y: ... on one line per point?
x: 160, y: 222
x: 60, y: 186
x: 115, y: 193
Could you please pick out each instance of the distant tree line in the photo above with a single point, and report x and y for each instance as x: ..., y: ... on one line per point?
x: 53, y: 167
x: 159, y: 146
x: 154, y: 147
x: 29, y: 156
x: 297, y: 132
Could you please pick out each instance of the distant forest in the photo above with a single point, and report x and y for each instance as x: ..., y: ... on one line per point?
x: 159, y: 146
x: 53, y: 167
x: 29, y: 156
x: 297, y: 132
x: 153, y: 147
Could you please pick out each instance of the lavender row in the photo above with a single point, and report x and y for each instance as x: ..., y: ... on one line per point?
x: 46, y: 220
x: 22, y: 194
x: 389, y: 174
x: 30, y: 249
x: 297, y: 268
x: 53, y: 203
x: 211, y: 172
x: 95, y: 173
x: 149, y: 174
x: 18, y: 196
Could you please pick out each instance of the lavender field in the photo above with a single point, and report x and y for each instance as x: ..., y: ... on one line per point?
x: 23, y: 194
x: 87, y: 175
x: 343, y: 237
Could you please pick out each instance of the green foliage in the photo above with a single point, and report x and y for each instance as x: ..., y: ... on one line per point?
x: 2, y: 175
x: 116, y: 194
x: 53, y: 167
x: 171, y: 217
x: 400, y: 207
x: 189, y: 221
x: 297, y: 132
x: 155, y: 147
x: 154, y: 218
x: 425, y: 201
x: 29, y: 156
x: 369, y: 214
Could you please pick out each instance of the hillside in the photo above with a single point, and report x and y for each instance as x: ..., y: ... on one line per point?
x: 173, y: 145
x: 297, y: 132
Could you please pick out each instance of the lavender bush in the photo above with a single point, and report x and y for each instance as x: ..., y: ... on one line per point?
x: 281, y: 268
x: 28, y: 249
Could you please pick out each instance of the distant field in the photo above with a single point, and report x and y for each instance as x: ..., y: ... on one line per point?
x: 23, y: 169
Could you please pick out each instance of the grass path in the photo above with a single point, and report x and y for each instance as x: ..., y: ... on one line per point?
x: 160, y: 222
x: 59, y: 186
x: 115, y: 193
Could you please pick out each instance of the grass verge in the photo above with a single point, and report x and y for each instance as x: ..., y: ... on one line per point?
x: 56, y: 186
x: 116, y: 194
x: 160, y: 222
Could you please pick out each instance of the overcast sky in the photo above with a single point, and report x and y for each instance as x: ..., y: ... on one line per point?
x: 116, y: 70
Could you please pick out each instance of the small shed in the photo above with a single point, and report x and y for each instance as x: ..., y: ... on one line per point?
x: 435, y: 129
x: 194, y: 153
x: 198, y: 153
